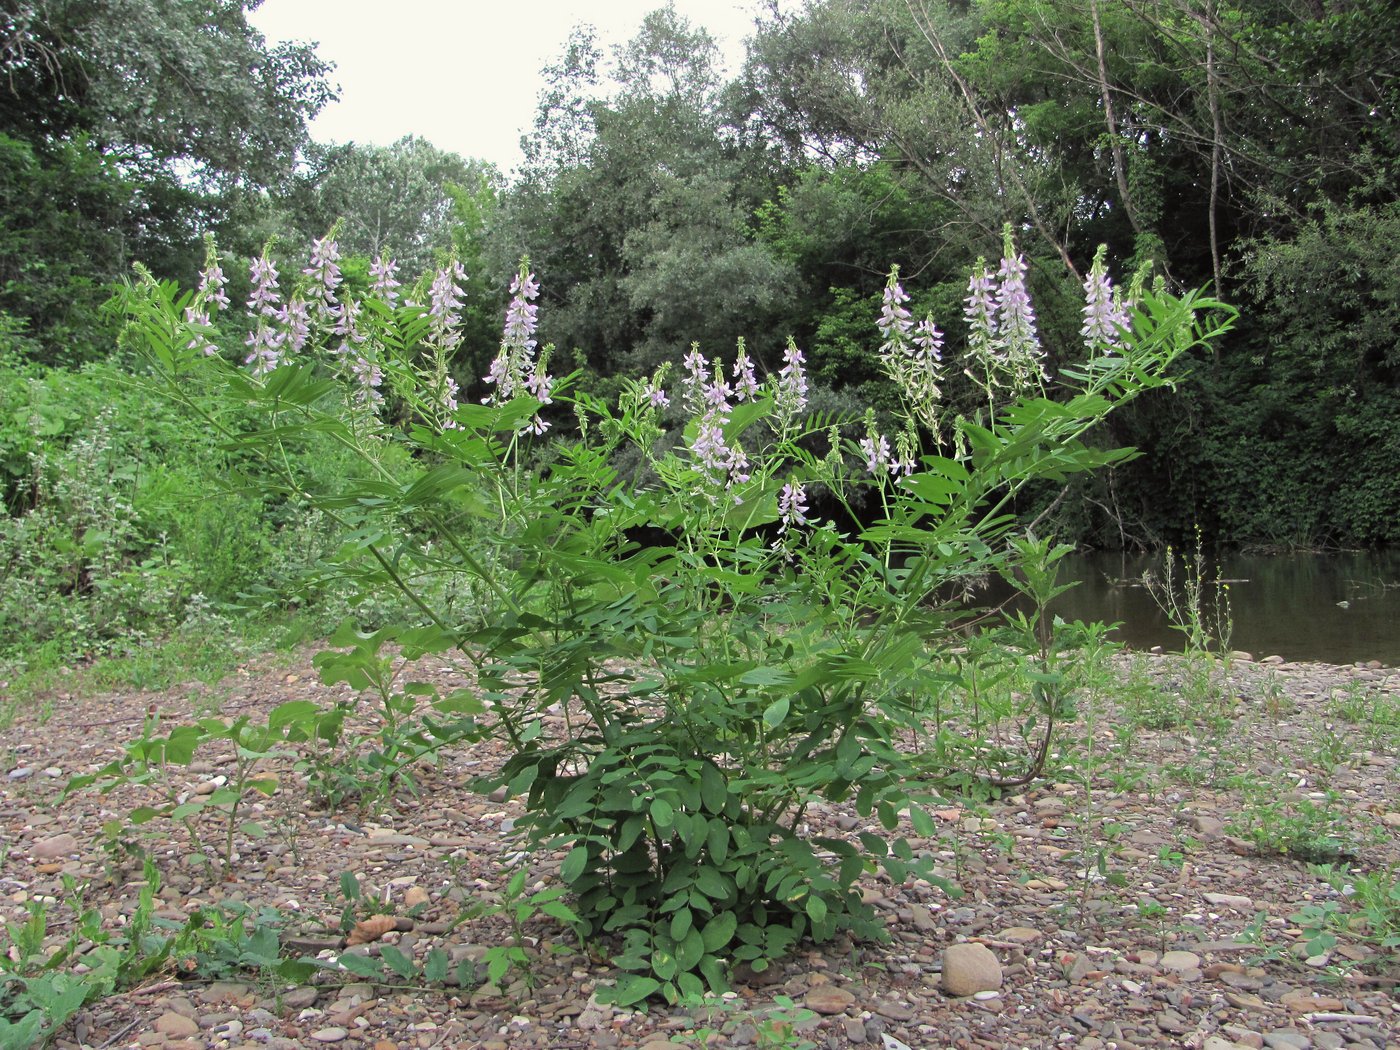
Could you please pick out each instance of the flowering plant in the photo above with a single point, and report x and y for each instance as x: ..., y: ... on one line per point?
x: 684, y: 663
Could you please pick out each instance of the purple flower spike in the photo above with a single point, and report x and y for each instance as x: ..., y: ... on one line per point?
x: 264, y: 298
x: 1105, y: 317
x: 324, y: 270
x: 792, y: 382
x: 384, y: 281
x: 792, y: 506
x: 1015, y: 316
x: 745, y: 382
x: 895, y: 322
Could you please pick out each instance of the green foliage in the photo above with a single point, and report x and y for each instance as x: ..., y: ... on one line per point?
x: 122, y: 128
x: 1311, y: 830
x: 42, y: 989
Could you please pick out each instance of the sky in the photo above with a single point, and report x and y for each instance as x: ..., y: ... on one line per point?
x: 463, y: 74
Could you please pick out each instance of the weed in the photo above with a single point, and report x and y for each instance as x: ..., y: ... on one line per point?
x: 1302, y: 827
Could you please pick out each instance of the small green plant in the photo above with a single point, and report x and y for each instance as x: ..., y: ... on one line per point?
x: 1194, y: 605
x: 152, y: 760
x: 1367, y: 910
x: 40, y: 990
x: 1311, y: 830
x: 519, y: 908
x: 416, y: 721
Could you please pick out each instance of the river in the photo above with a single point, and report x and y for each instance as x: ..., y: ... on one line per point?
x: 1338, y: 608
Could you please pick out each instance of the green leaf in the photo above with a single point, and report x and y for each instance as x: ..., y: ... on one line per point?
x: 719, y: 931
x: 816, y: 909
x: 690, y: 950
x: 717, y: 840
x: 681, y: 923
x: 662, y: 815
x: 574, y: 864
x: 923, y: 823
x: 292, y: 712
x: 711, y: 883
x: 361, y: 965
x: 713, y: 790
x: 397, y: 961
x: 775, y: 712
x: 435, y: 965
x: 631, y: 989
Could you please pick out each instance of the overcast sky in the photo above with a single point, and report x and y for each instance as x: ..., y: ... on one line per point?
x: 463, y: 74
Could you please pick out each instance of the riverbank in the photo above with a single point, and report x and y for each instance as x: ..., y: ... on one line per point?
x: 1153, y: 892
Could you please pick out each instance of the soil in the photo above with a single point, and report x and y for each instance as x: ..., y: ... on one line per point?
x: 1154, y: 905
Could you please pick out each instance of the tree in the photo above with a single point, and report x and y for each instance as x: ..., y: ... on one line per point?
x: 165, y: 115
x: 396, y: 200
x: 636, y: 200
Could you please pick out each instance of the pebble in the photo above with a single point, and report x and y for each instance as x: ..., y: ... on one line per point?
x: 970, y: 968
x: 829, y: 1000
x: 329, y: 1035
x: 1287, y: 1039
x: 22, y: 773
x: 177, y: 1026
x: 55, y: 846
x: 1180, y: 962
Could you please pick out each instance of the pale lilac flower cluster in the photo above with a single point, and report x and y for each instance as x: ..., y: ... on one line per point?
x: 875, y: 447
x: 792, y: 506
x: 265, y: 341
x: 707, y: 396
x: 295, y: 318
x: 366, y: 374
x: 654, y: 394
x: 790, y: 398
x: 1001, y: 323
x: 517, y: 369
x: 896, y: 323
x: 324, y: 270
x: 1105, y: 314
x: 980, y: 313
x: 208, y: 300
x: 745, y: 382
x: 445, y: 304
x: 384, y: 284
x: 912, y: 355
x: 1016, y: 327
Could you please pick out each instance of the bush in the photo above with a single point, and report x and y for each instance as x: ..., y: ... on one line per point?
x: 678, y: 667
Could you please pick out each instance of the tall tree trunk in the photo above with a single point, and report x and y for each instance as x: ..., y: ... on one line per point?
x: 1120, y: 168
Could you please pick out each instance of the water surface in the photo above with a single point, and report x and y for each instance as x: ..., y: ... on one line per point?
x: 1339, y: 608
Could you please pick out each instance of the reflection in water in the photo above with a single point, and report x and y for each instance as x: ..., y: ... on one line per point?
x: 1338, y: 608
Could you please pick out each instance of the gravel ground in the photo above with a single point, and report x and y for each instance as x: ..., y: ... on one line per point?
x: 1150, y: 906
